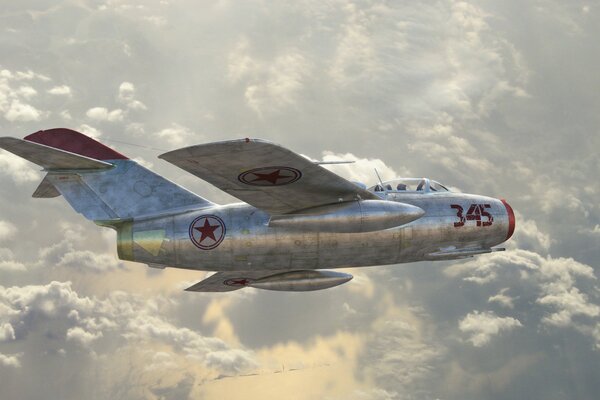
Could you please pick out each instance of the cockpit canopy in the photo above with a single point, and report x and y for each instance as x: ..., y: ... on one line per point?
x: 414, y: 185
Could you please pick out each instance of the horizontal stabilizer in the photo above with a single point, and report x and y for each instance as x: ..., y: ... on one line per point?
x: 46, y: 190
x: 49, y: 157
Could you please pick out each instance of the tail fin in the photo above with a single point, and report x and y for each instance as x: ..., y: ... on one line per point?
x: 97, y: 181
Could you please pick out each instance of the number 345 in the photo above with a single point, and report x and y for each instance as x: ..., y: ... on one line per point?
x: 476, y: 212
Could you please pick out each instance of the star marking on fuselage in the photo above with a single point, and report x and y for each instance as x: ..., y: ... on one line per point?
x: 207, y: 231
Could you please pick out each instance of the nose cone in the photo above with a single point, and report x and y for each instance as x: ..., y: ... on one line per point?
x: 511, y: 219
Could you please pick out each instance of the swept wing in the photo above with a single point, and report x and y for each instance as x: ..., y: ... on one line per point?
x: 266, y: 175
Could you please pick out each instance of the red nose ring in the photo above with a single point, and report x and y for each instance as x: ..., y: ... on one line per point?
x: 511, y: 219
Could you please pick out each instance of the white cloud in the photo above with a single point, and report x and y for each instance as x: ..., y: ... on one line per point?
x: 119, y: 315
x: 103, y: 114
x: 18, y: 169
x: 7, y: 230
x: 481, y: 327
x: 89, y: 130
x: 26, y: 92
x: 127, y: 96
x: 555, y: 281
x: 15, y: 97
x: 10, y: 265
x: 10, y: 360
x: 81, y: 336
x: 30, y: 75
x: 6, y: 332
x: 528, y: 236
x: 502, y: 299
x: 19, y: 111
x: 176, y: 135
x: 85, y: 260
x: 362, y: 169
x: 566, y: 303
x: 270, y: 84
x: 62, y: 90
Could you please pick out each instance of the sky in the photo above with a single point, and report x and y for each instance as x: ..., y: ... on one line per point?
x: 487, y: 97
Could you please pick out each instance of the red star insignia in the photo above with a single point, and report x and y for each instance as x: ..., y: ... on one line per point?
x: 272, y: 178
x: 207, y: 230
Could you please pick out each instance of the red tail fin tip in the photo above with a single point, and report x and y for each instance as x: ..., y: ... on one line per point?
x: 75, y: 142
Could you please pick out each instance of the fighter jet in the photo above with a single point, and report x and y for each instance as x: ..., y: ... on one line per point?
x: 296, y: 219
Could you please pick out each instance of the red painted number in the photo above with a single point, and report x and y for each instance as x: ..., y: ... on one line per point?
x: 476, y: 212
x: 459, y: 214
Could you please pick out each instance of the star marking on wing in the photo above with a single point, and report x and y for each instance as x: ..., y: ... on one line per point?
x: 272, y: 177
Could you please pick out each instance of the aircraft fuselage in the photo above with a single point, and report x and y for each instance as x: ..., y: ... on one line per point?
x: 238, y: 237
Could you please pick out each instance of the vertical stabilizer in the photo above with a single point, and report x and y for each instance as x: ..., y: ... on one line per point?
x: 97, y: 181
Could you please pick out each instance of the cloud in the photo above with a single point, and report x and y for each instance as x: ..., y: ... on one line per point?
x: 26, y: 92
x: 86, y: 260
x: 15, y: 97
x: 103, y: 114
x: 127, y: 96
x: 7, y: 230
x: 270, y: 84
x: 502, y: 299
x: 90, y: 131
x: 6, y: 332
x: 557, y: 285
x: 176, y: 135
x: 362, y: 169
x: 11, y: 265
x: 10, y: 360
x: 82, y: 336
x: 18, y: 111
x: 528, y: 236
x: 482, y: 326
x: 18, y: 169
x: 89, y: 320
x: 62, y: 90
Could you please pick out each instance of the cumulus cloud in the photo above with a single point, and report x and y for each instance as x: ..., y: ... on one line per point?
x: 127, y: 96
x: 82, y: 336
x: 482, y: 326
x: 6, y: 332
x: 90, y: 131
x: 103, y: 114
x: 556, y: 282
x: 502, y: 298
x: 270, y: 84
x: 62, y: 90
x: 19, y: 111
x: 10, y: 360
x: 7, y: 230
x: 15, y: 96
x: 87, y: 320
x: 362, y: 169
x: 18, y: 169
x: 175, y: 135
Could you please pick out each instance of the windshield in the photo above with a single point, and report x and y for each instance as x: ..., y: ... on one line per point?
x: 437, y: 187
x: 418, y: 185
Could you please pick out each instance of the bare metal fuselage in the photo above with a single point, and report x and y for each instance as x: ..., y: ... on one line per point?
x: 250, y: 243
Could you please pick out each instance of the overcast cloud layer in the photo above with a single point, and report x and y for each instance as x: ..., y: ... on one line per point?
x: 496, y: 98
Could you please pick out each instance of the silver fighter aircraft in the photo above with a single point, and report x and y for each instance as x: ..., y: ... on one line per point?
x: 296, y: 219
